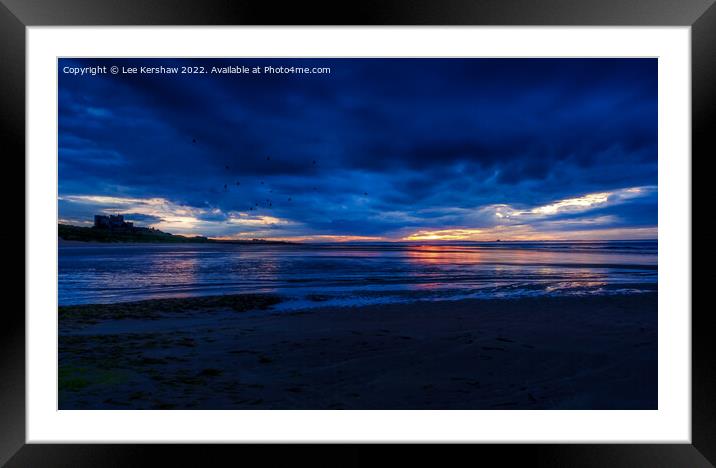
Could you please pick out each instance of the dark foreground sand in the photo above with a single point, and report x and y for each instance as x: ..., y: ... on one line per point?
x: 542, y: 353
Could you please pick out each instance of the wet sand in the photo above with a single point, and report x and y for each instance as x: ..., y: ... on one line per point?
x: 597, y: 352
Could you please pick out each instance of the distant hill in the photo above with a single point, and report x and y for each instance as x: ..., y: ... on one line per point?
x: 69, y: 232
x: 135, y: 234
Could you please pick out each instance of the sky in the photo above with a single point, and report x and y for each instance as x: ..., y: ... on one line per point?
x: 377, y: 149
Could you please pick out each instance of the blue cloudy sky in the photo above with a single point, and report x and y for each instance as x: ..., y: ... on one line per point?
x: 392, y: 149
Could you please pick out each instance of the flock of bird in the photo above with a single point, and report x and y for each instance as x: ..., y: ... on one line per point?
x: 269, y: 201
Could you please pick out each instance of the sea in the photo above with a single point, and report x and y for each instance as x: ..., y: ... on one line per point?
x: 353, y: 274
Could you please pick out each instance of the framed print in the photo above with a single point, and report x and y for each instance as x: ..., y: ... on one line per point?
x: 465, y: 224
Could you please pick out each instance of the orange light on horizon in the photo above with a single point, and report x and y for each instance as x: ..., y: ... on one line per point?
x: 528, y: 233
x: 444, y: 234
x: 316, y: 238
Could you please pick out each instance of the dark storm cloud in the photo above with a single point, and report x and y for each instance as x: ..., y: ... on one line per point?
x: 375, y: 146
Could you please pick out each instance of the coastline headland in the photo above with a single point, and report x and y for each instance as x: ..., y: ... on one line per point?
x: 128, y: 233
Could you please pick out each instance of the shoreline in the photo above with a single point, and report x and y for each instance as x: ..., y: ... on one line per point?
x: 596, y: 352
x: 153, y: 309
x: 61, y: 242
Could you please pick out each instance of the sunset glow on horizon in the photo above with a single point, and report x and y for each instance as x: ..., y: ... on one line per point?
x: 184, y: 220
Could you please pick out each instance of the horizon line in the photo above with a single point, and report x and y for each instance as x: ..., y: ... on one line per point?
x: 342, y: 238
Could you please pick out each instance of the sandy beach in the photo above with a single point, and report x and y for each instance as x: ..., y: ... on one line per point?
x: 595, y: 352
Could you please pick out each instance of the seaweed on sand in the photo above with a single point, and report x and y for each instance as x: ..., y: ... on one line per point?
x: 155, y: 308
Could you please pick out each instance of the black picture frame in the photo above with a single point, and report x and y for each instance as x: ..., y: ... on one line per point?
x: 16, y: 15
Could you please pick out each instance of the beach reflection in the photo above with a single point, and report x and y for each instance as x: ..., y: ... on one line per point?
x: 441, y: 254
x: 354, y: 272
